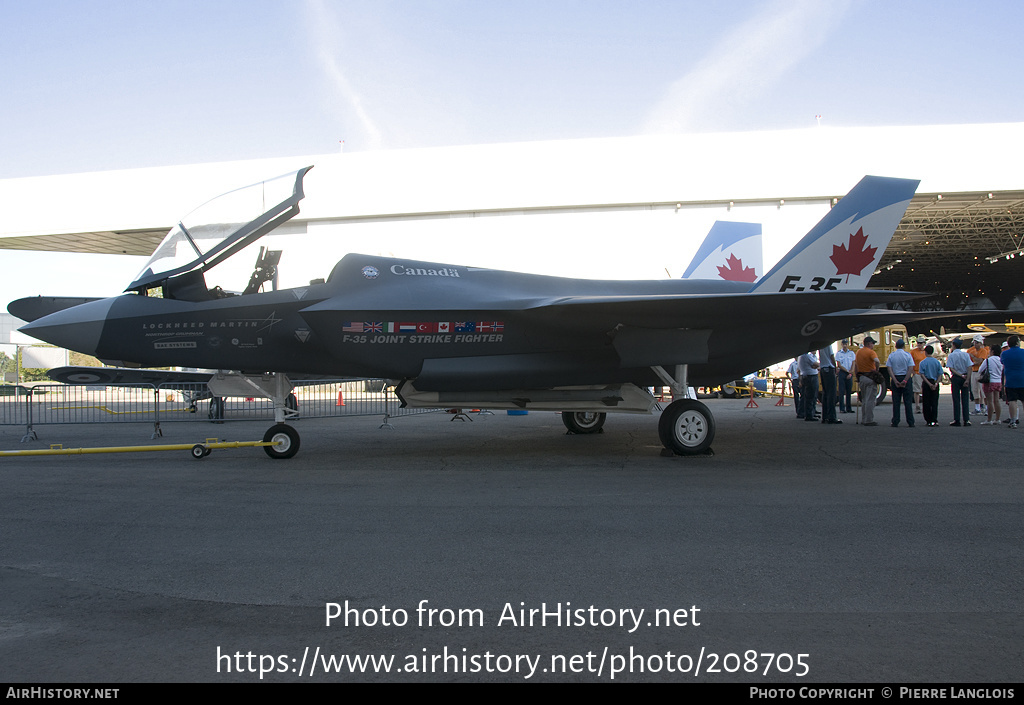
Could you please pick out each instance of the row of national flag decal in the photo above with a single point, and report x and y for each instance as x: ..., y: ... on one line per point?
x: 423, y: 327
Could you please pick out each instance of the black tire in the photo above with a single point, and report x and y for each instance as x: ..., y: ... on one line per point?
x: 199, y: 452
x: 291, y: 402
x: 583, y: 421
x: 287, y: 439
x: 216, y: 412
x: 883, y: 390
x: 687, y: 427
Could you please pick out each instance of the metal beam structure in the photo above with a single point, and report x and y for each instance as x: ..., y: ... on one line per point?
x: 958, y: 245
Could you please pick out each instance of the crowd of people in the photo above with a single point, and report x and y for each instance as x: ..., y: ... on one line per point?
x: 989, y: 375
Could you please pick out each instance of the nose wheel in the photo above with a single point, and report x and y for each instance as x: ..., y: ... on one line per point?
x: 285, y: 440
x: 687, y: 427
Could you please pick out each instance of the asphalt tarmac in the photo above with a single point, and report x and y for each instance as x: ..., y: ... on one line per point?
x: 797, y: 553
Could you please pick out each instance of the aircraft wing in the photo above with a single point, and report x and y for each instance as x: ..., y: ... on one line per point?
x: 131, y: 375
x: 725, y: 335
x: 125, y: 375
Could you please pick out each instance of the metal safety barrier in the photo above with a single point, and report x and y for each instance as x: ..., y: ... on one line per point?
x: 69, y: 404
x: 43, y: 404
x: 14, y: 408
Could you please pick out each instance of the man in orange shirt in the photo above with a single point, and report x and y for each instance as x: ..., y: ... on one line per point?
x: 978, y: 354
x: 866, y: 363
x: 918, y: 354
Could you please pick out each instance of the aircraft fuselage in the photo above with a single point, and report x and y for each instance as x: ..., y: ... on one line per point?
x: 450, y: 327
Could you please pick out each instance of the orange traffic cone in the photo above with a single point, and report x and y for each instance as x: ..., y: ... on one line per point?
x: 341, y: 399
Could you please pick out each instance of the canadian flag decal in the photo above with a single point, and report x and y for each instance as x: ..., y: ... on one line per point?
x: 853, y: 259
x: 734, y: 271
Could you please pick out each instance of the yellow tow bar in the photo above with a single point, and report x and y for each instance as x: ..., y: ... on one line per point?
x: 742, y: 390
x: 198, y: 450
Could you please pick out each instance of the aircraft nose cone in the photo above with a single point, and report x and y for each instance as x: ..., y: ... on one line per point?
x: 77, y: 328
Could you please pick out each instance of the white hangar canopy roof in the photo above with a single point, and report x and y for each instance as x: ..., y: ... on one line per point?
x: 128, y: 212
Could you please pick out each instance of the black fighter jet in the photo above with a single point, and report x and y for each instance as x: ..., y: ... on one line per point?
x: 457, y: 336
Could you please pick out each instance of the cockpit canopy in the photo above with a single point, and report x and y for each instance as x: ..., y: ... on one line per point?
x: 219, y: 228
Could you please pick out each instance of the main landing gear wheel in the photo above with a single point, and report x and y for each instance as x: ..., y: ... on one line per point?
x: 687, y: 427
x: 287, y: 439
x: 583, y: 421
x: 216, y: 412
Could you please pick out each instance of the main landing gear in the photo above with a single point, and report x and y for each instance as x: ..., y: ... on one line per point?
x: 686, y: 427
x: 583, y: 421
x: 286, y: 439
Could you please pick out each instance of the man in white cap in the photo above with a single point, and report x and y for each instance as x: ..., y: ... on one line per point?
x: 978, y: 354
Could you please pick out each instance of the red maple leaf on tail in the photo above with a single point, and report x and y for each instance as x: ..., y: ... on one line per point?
x: 856, y: 258
x: 734, y: 271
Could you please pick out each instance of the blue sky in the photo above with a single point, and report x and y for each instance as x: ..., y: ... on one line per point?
x: 104, y: 85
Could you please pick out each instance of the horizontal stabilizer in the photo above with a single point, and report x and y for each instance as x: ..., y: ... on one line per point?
x: 873, y: 318
x: 696, y: 311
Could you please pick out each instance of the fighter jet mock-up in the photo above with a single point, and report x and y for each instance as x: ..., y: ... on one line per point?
x: 457, y: 336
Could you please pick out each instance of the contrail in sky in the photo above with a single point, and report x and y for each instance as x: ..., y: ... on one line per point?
x: 328, y: 39
x: 746, y: 63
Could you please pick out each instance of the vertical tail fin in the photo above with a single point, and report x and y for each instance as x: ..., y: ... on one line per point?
x: 731, y: 251
x: 842, y: 250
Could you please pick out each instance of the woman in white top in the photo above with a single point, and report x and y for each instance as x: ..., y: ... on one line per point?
x: 993, y: 366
